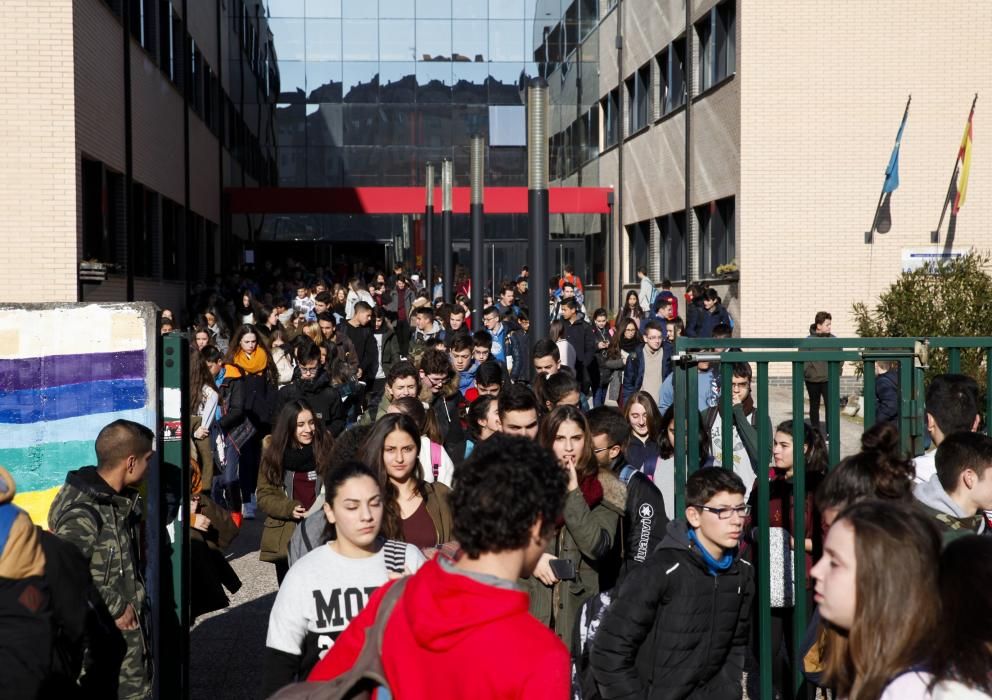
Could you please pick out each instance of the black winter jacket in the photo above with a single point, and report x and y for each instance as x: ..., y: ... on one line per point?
x: 674, y: 630
x: 324, y: 399
x: 580, y: 335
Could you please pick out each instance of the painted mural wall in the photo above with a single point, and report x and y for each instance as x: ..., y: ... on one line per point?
x: 67, y: 370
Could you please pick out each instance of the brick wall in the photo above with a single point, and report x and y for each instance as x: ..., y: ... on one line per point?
x: 37, y: 177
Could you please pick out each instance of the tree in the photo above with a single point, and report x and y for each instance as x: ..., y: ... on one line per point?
x: 949, y: 299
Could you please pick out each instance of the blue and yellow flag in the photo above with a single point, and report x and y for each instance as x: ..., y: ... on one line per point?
x: 892, y: 171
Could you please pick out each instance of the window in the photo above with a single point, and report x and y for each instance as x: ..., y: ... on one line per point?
x: 704, y: 36
x: 96, y: 245
x: 610, y: 105
x: 638, y: 237
x: 172, y: 225
x: 717, y: 245
x: 676, y: 74
x: 638, y: 97
x: 725, y: 39
x: 673, y: 245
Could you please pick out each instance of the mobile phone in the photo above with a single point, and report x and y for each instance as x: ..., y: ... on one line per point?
x: 563, y: 569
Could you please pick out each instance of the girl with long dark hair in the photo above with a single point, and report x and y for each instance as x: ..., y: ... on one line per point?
x: 294, y: 459
x: 584, y: 539
x: 415, y: 511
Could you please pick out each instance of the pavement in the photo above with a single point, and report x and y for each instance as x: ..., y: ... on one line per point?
x: 228, y: 646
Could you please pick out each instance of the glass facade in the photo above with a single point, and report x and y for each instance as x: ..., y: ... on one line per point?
x: 370, y: 91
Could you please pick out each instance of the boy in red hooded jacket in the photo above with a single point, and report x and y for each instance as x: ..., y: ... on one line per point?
x: 462, y: 628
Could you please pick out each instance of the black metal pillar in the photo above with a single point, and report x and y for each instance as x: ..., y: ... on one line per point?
x: 447, y: 182
x: 429, y: 228
x: 537, y: 206
x: 128, y: 157
x: 477, y: 159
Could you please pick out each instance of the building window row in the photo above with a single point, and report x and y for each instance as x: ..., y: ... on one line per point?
x: 716, y: 34
x: 717, y: 240
x: 157, y: 225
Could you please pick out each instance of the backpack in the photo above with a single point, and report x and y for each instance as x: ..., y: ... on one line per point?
x: 435, y: 459
x: 366, y: 676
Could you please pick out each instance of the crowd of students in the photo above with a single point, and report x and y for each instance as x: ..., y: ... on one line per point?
x: 497, y: 510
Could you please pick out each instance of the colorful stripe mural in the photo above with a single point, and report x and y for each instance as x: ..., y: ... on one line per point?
x: 65, y: 372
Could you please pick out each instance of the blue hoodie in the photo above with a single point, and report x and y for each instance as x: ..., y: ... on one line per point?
x: 466, y: 378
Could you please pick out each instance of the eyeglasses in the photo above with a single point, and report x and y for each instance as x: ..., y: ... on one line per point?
x: 309, y: 371
x: 725, y: 513
x: 597, y: 450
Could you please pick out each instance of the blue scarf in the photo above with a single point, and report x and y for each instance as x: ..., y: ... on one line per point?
x: 714, y: 566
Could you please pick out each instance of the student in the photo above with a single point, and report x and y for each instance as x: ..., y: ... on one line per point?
x: 879, y: 561
x: 584, y: 541
x: 403, y: 379
x: 468, y: 616
x: 664, y: 471
x: 460, y: 352
x: 360, y: 333
x: 744, y: 435
x: 815, y: 373
x: 489, y: 380
x: 98, y: 509
x: 482, y: 346
x: 958, y: 495
x: 547, y: 357
x: 328, y: 587
x: 498, y: 331
x: 713, y: 315
x: 294, y: 459
x: 282, y: 355
x: 558, y: 390
x: 646, y: 292
x: 415, y: 510
x: 483, y: 421
x: 645, y: 422
x: 426, y: 331
x: 645, y: 370
x: 518, y: 347
x: 951, y: 407
x: 961, y: 653
x: 708, y: 388
x: 519, y: 412
x: 566, y: 351
x: 644, y: 518
x: 312, y: 384
x: 387, y: 355
x: 602, y: 335
x: 440, y: 393
x: 631, y: 310
x: 581, y: 337
x: 689, y: 604
x: 203, y: 402
x: 433, y: 458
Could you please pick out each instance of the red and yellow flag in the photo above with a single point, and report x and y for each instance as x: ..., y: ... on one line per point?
x: 964, y: 155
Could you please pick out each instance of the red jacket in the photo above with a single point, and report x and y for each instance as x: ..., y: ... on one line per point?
x: 451, y: 636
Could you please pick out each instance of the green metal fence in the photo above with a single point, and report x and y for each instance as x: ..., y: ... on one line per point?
x: 912, y: 356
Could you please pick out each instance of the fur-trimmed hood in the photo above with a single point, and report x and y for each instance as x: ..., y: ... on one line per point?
x: 614, y: 491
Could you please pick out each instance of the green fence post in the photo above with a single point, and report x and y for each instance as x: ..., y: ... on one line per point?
x: 954, y: 360
x: 869, y: 393
x: 726, y: 415
x: 833, y: 410
x: 171, y: 619
x: 764, y: 556
x: 799, y: 522
x: 905, y: 404
x: 691, y: 400
x: 680, y: 436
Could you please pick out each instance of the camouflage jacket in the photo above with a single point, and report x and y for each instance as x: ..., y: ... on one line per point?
x: 105, y: 526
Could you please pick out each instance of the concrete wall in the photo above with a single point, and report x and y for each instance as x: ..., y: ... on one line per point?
x: 67, y: 370
x: 37, y: 167
x: 823, y: 87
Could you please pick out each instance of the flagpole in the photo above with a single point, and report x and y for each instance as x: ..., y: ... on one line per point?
x: 870, y: 235
x: 952, y: 187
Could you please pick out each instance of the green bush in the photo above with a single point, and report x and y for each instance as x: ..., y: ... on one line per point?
x: 951, y: 299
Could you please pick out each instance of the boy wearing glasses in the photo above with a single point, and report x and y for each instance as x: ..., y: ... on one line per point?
x: 743, y: 433
x: 689, y: 604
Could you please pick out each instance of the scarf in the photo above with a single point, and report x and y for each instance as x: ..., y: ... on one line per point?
x: 243, y: 364
x: 592, y: 493
x: 298, y: 459
x: 630, y: 344
x: 714, y: 566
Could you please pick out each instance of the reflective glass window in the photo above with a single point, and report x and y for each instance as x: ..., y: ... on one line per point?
x: 433, y: 39
x: 292, y: 81
x: 292, y: 167
x: 434, y: 9
x: 360, y: 81
x: 325, y: 125
x: 360, y: 9
x: 434, y: 81
x: 396, y: 124
x: 504, y: 83
x: 470, y: 9
x: 506, y: 40
x: 323, y: 8
x: 324, y: 166
x: 397, y: 81
x: 396, y: 40
x: 287, y: 36
x: 361, y: 125
x: 291, y: 125
x: 507, y: 126
x: 507, y: 9
x: 469, y: 82
x: 470, y: 38
x: 323, y: 40
x: 285, y: 8
x: 396, y: 9
x: 435, y: 128
x: 324, y: 81
x: 361, y: 40
x: 361, y: 165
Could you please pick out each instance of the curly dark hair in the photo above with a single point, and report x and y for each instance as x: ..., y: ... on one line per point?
x: 501, y: 491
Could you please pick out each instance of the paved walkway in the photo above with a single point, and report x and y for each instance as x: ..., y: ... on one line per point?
x: 228, y: 646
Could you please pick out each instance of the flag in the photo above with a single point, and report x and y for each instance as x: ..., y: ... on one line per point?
x: 964, y: 155
x: 892, y: 171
